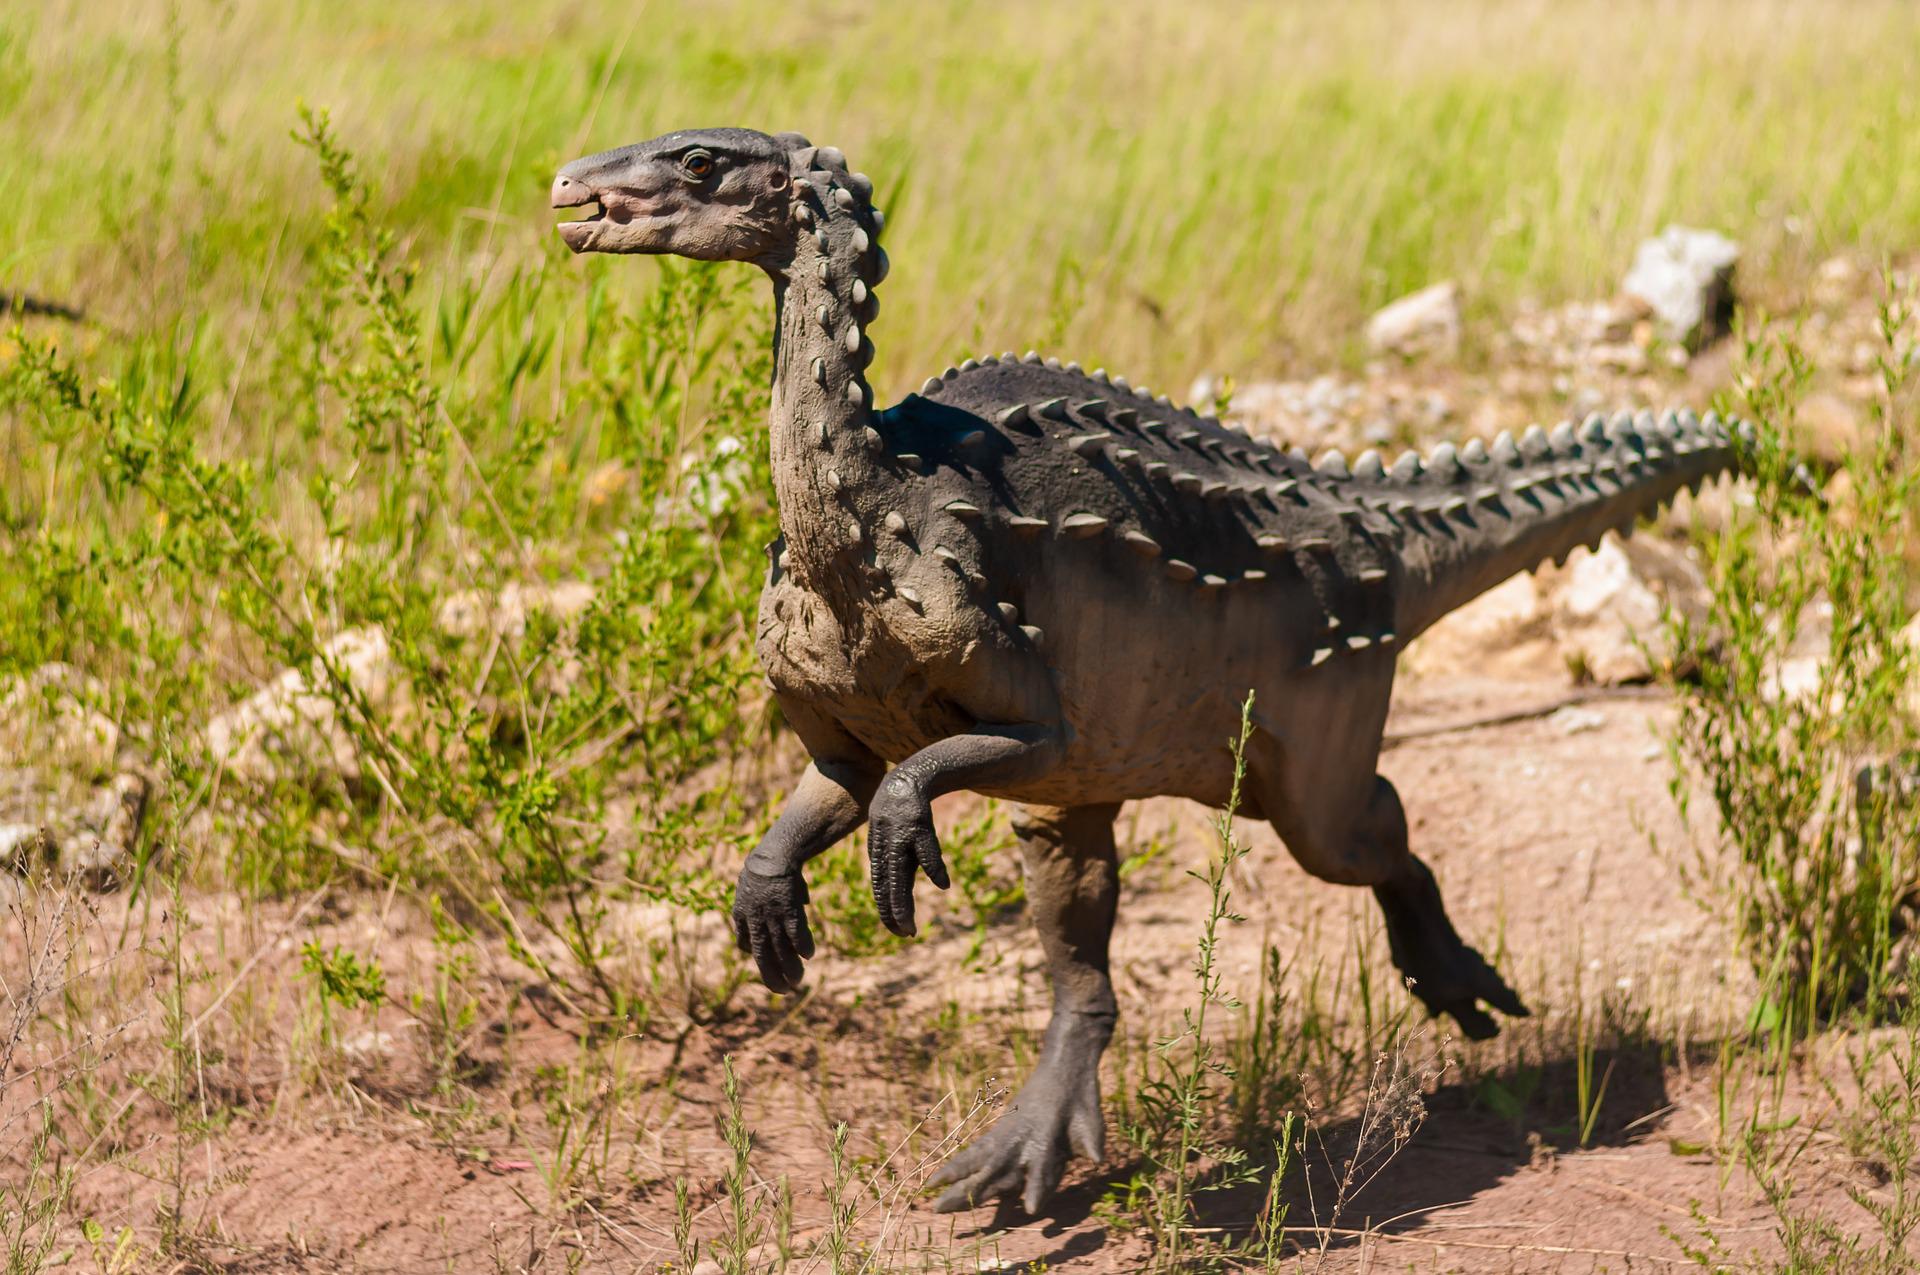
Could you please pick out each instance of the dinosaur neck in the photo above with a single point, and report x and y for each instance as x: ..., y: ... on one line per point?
x: 821, y: 401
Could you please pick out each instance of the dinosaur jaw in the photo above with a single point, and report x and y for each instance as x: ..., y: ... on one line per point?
x: 615, y: 221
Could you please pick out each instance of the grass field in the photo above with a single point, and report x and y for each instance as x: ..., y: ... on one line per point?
x: 1158, y: 188
x: 339, y: 392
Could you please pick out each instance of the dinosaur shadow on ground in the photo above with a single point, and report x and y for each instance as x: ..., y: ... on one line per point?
x: 1475, y: 1134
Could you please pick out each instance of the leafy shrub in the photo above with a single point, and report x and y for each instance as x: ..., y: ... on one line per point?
x: 423, y: 477
x: 1817, y: 876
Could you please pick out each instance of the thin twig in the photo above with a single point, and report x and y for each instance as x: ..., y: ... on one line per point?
x: 1394, y: 739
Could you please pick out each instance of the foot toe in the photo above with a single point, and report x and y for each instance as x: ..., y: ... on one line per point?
x: 1495, y: 992
x: 1474, y: 1023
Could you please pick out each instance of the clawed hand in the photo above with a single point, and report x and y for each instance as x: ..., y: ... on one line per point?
x: 770, y: 921
x: 900, y: 840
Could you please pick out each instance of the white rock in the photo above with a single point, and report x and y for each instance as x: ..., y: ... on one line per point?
x: 1609, y: 605
x: 1575, y: 720
x: 368, y: 1045
x: 1839, y: 280
x: 48, y: 716
x: 23, y: 846
x: 1502, y: 632
x: 1829, y: 428
x: 1686, y: 277
x: 1597, y: 615
x: 1427, y: 321
x: 476, y: 614
x: 1798, y: 677
x: 288, y: 725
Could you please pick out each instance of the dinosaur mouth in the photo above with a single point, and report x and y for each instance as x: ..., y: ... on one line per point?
x: 581, y: 233
x: 571, y: 193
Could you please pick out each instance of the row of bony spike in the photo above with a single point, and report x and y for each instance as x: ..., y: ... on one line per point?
x: 1678, y: 432
x: 1682, y: 431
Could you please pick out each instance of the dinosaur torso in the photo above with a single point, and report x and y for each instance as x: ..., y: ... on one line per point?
x: 1019, y: 529
x: 1153, y: 560
x: 1157, y: 564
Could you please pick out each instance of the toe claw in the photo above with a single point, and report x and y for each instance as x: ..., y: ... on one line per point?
x: 954, y: 1199
x: 1474, y: 1023
x: 1043, y: 1178
x: 1495, y: 992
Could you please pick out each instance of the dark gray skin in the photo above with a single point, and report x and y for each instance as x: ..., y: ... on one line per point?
x: 1057, y: 589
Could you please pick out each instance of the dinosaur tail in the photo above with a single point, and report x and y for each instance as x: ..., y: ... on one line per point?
x: 1484, y: 514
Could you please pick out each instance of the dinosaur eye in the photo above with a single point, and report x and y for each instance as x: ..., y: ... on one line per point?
x: 697, y: 163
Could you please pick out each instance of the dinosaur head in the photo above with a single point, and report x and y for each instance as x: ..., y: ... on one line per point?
x: 714, y: 194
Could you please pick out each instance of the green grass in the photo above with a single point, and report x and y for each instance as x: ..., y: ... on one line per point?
x: 1163, y: 189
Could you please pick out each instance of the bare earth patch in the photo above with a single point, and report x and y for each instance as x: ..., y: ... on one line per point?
x: 1538, y: 828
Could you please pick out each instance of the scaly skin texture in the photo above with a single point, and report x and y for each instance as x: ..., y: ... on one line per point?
x: 1056, y: 588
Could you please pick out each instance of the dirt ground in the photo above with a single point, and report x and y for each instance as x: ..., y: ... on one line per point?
x: 1537, y: 815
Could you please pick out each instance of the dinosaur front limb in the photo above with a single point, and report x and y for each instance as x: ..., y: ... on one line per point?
x: 769, y: 904
x: 1073, y: 887
x: 902, y: 838
x: 1444, y: 973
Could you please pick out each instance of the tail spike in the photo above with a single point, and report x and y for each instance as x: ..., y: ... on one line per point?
x: 1333, y: 463
x: 1504, y: 450
x: 1534, y: 444
x: 1407, y: 468
x: 1474, y: 453
x: 1369, y: 466
x: 1444, y: 461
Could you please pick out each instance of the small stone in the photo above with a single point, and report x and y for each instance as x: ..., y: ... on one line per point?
x: 1686, y: 277
x: 1424, y: 322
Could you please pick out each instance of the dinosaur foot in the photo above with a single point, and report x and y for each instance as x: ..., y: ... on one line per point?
x: 1447, y: 976
x: 1057, y: 1113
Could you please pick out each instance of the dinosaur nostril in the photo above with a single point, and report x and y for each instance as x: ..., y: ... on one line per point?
x: 568, y: 192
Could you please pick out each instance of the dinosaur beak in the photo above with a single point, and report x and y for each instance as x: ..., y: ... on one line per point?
x: 572, y: 190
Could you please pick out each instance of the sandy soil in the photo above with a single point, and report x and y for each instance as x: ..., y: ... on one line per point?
x: 1539, y: 828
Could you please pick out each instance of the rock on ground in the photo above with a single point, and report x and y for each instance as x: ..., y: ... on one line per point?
x: 1609, y: 606
x: 1599, y: 618
x: 1423, y: 322
x: 287, y: 725
x: 1686, y: 277
x: 477, y: 614
x: 49, y: 715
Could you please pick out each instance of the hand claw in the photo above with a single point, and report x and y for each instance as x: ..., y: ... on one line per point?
x: 1474, y: 1022
x: 902, y: 840
x: 770, y: 921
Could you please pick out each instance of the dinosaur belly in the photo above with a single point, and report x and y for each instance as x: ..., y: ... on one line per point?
x: 878, y: 688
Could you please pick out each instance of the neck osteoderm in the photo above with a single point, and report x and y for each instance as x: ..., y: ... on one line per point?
x: 820, y: 422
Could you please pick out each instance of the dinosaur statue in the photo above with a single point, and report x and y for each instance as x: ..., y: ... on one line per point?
x: 1056, y: 588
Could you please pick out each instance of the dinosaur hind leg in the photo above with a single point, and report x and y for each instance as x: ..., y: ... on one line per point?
x: 1073, y: 886
x: 1355, y: 833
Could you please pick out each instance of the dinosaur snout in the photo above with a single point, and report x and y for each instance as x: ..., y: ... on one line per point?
x: 571, y: 192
